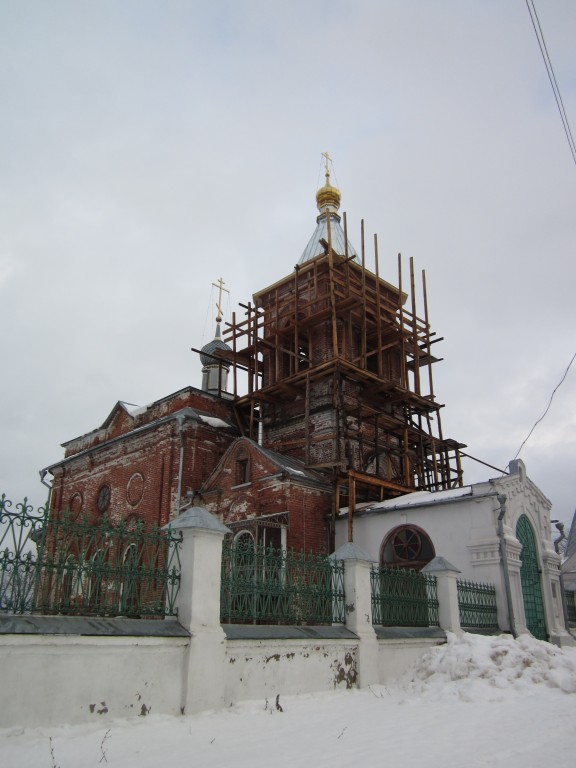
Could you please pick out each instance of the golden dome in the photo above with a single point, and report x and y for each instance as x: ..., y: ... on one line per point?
x: 328, y: 197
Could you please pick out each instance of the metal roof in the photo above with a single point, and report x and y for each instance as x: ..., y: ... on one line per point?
x: 315, y: 247
x: 287, y: 464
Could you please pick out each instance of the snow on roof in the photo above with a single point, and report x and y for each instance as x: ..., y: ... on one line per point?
x: 289, y: 465
x: 133, y: 410
x: 413, y: 499
x: 213, y: 421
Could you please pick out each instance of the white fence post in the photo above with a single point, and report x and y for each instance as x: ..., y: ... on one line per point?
x: 447, y: 582
x: 358, y: 609
x: 198, y: 604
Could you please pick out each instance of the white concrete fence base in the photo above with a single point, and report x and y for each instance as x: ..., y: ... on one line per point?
x: 58, y: 670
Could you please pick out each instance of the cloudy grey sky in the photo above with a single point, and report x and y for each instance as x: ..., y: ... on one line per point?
x: 148, y: 148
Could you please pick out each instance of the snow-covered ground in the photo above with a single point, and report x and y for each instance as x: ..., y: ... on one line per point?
x: 473, y: 702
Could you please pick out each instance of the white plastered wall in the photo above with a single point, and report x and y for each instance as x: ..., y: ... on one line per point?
x: 54, y: 679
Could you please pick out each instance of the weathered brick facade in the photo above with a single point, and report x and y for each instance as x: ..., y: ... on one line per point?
x: 257, y: 490
x: 144, y: 456
x: 145, y: 464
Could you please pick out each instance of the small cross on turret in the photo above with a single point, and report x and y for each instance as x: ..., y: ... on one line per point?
x: 220, y: 285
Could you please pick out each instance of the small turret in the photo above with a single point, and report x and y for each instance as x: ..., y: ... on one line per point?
x: 215, y: 368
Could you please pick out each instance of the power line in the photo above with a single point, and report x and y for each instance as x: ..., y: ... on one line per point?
x: 547, y: 407
x: 551, y: 76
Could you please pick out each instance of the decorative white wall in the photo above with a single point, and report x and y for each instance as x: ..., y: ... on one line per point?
x: 54, y: 672
x: 59, y: 670
x: 463, y: 526
x: 49, y: 680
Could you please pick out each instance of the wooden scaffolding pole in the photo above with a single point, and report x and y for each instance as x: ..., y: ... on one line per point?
x: 364, y: 320
x: 378, y: 308
x: 351, y: 505
x: 415, y: 346
x: 403, y: 361
x: 331, y: 288
x: 428, y: 345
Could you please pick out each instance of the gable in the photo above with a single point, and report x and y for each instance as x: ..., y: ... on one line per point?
x: 245, y: 462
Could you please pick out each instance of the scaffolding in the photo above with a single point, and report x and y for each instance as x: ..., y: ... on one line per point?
x: 337, y: 367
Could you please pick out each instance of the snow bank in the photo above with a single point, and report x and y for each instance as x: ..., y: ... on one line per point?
x: 472, y: 666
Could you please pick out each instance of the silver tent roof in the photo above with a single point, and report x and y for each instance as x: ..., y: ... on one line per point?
x: 315, y: 247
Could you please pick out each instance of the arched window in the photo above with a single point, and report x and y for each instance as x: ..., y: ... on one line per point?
x: 244, y: 540
x: 75, y: 505
x: 130, y: 587
x: 96, y: 581
x: 69, y: 584
x: 407, y: 546
x: 242, y: 467
x: 244, y: 547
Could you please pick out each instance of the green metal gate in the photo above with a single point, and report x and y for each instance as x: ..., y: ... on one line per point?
x: 530, y: 578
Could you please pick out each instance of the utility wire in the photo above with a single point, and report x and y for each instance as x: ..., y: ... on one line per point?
x: 547, y: 407
x: 551, y: 76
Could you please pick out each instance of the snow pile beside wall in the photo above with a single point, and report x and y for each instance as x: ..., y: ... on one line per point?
x: 471, y: 667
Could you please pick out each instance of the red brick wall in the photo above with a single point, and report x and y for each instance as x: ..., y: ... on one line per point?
x: 141, y: 471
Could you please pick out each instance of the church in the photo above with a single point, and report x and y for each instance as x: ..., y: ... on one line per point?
x: 317, y: 424
x: 337, y: 407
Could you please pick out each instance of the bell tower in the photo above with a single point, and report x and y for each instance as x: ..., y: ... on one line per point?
x: 339, y: 368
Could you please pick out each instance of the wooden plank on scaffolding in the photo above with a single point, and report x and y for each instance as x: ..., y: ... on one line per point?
x: 364, y: 479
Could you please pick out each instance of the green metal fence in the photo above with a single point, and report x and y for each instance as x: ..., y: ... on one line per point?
x: 477, y: 605
x: 21, y: 528
x: 270, y: 586
x: 403, y: 598
x: 54, y: 564
x: 571, y: 606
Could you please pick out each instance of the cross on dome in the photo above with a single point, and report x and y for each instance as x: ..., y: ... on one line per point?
x: 220, y: 285
x: 327, y: 197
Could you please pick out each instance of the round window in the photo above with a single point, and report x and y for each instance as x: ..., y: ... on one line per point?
x: 103, y: 500
x: 135, y: 488
x: 407, y: 546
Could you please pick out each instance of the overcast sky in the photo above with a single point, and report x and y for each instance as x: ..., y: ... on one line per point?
x: 148, y: 148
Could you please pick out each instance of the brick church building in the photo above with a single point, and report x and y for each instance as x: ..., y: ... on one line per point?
x: 338, y: 410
